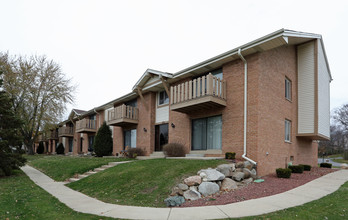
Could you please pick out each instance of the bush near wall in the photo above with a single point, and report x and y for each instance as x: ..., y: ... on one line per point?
x: 40, y: 149
x: 345, y: 155
x: 134, y: 152
x: 174, y: 150
x: 60, y: 148
x: 103, y: 141
x: 296, y: 169
x: 283, y: 173
x: 230, y: 155
x: 326, y: 165
x: 306, y: 167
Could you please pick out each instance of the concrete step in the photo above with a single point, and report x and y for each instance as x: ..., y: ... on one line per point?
x: 106, y: 166
x: 194, y: 155
x: 157, y: 154
x: 80, y: 176
x: 73, y: 179
x: 90, y: 173
x: 99, y: 169
x: 113, y: 163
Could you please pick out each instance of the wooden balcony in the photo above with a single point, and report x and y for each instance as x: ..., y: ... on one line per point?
x: 86, y: 126
x: 66, y: 131
x: 123, y: 115
x: 52, y: 135
x: 42, y: 137
x: 203, y: 93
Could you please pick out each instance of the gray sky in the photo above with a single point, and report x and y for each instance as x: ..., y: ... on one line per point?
x: 105, y: 46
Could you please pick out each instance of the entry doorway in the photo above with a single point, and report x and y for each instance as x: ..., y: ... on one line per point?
x: 161, y: 136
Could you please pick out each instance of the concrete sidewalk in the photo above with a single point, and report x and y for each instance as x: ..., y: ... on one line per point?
x: 85, y: 204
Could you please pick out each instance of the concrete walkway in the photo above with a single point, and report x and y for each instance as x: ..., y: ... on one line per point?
x: 85, y: 204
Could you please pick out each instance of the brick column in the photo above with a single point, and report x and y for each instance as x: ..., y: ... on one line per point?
x: 85, y: 143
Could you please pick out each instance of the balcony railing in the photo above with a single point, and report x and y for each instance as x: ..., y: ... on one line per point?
x: 52, y: 135
x: 42, y: 137
x: 86, y: 125
x: 66, y: 131
x: 202, y: 93
x: 123, y: 115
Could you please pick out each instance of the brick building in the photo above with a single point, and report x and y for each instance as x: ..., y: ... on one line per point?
x: 267, y: 100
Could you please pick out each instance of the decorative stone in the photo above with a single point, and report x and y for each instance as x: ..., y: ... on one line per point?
x: 174, y: 201
x: 253, y: 174
x: 247, y: 181
x: 208, y: 188
x: 195, y: 188
x: 247, y: 173
x: 248, y: 165
x: 212, y: 175
x: 240, y: 165
x: 228, y: 184
x: 238, y: 176
x: 226, y: 169
x: 177, y: 191
x: 192, y: 195
x: 193, y: 180
x: 238, y: 170
x: 182, y: 186
x: 344, y: 166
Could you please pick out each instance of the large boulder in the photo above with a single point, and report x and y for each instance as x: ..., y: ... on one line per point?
x: 240, y: 165
x: 174, y: 201
x: 248, y: 165
x: 177, y: 191
x: 344, y: 166
x: 182, y: 186
x: 226, y: 169
x: 247, y: 181
x: 238, y: 176
x: 247, y: 173
x: 208, y: 188
x: 193, y: 180
x: 192, y: 195
x: 211, y: 175
x: 253, y: 174
x: 228, y: 184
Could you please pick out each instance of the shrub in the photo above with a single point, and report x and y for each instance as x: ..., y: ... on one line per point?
x: 60, y: 148
x: 134, y: 152
x: 345, y: 155
x: 103, y: 141
x: 230, y: 155
x: 40, y: 149
x: 283, y: 173
x: 296, y: 169
x: 326, y: 165
x: 306, y: 167
x: 174, y: 150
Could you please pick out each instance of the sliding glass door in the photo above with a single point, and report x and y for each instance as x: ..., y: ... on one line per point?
x: 207, y: 133
x: 130, y: 138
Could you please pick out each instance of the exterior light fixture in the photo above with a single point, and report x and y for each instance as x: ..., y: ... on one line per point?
x: 145, y: 130
x: 173, y: 125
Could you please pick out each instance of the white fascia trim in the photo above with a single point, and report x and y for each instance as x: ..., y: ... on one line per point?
x: 147, y: 73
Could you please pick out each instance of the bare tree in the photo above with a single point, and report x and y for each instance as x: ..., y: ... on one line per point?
x: 341, y: 115
x: 39, y: 90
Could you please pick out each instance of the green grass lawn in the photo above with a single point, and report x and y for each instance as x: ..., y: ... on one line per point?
x: 140, y: 183
x: 333, y: 206
x: 332, y: 156
x: 20, y: 198
x: 61, y: 168
x: 340, y: 161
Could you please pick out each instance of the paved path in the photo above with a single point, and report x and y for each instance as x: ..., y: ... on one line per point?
x: 335, y: 164
x: 85, y: 204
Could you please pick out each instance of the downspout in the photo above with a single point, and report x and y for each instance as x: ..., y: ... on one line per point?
x: 245, y: 105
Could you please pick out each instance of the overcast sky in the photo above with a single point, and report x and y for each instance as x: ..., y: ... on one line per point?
x: 105, y: 46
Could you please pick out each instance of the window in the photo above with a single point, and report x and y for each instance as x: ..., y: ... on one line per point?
x: 287, y: 130
x: 287, y: 89
x: 90, y: 143
x: 207, y: 133
x: 130, y: 138
x: 163, y: 98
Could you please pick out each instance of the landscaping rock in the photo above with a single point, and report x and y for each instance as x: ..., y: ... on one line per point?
x: 247, y: 181
x: 177, y: 191
x: 240, y: 165
x: 174, y: 201
x: 248, y: 165
x: 204, y: 177
x: 344, y: 166
x: 238, y: 170
x: 208, y: 188
x: 253, y: 174
x: 193, y: 180
x: 192, y: 195
x: 247, y: 173
x: 212, y: 175
x: 238, y: 176
x: 182, y: 186
x: 228, y: 184
x: 226, y: 169
x: 195, y: 188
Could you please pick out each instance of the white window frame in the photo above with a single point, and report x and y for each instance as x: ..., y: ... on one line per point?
x: 287, y: 137
x: 288, y: 89
x: 158, y: 100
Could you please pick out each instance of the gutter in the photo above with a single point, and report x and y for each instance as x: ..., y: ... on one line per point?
x: 245, y: 105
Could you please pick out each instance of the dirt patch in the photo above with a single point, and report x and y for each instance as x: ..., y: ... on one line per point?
x: 149, y: 190
x: 271, y: 186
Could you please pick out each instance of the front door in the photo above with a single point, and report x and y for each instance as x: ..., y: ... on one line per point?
x: 161, y: 136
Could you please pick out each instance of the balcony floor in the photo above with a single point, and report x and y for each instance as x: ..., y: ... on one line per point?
x: 198, y: 104
x: 122, y: 122
x: 86, y: 130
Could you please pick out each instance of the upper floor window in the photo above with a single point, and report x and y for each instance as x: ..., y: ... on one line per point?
x: 163, y: 98
x: 132, y: 103
x: 92, y: 117
x: 287, y: 130
x: 287, y: 89
x: 217, y: 73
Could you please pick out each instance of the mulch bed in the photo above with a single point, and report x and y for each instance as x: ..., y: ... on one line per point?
x: 271, y: 186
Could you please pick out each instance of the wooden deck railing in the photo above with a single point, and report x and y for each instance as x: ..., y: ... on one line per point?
x: 53, y: 135
x: 123, y: 112
x: 66, y: 131
x: 203, y: 86
x: 89, y: 124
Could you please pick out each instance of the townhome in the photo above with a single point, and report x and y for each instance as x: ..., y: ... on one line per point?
x: 267, y: 100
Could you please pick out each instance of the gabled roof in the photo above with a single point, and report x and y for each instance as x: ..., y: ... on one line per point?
x: 147, y: 75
